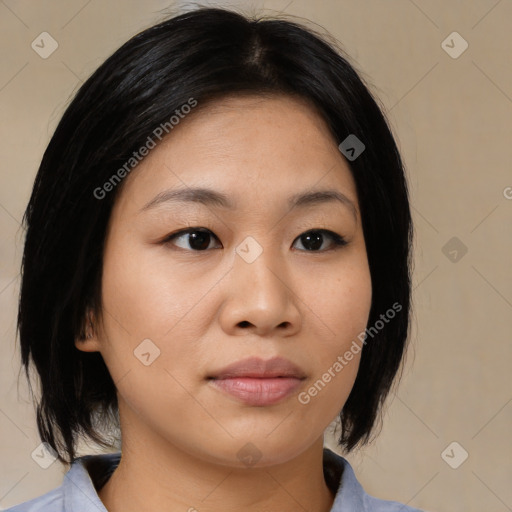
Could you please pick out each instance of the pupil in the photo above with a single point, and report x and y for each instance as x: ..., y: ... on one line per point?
x: 314, y: 239
x: 199, y: 240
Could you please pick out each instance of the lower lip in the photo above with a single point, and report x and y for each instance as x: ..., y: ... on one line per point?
x: 258, y: 392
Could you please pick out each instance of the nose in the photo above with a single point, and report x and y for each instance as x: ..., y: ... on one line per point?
x: 261, y: 298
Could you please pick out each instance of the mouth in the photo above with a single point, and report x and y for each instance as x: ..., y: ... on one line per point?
x: 256, y: 382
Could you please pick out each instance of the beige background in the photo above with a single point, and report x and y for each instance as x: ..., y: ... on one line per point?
x: 452, y: 118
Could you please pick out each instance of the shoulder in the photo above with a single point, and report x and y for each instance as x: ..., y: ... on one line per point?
x: 78, y: 490
x: 350, y: 495
x: 52, y: 501
x: 377, y: 505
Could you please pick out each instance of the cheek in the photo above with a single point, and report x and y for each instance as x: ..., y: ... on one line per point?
x: 341, y: 302
x: 145, y: 298
x: 145, y: 294
x: 145, y: 325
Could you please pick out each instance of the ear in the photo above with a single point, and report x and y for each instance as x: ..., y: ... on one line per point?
x: 88, y: 342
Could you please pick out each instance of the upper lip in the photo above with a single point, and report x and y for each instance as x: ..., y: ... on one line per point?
x: 260, y: 369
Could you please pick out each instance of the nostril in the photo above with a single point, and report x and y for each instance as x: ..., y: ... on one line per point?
x: 245, y: 323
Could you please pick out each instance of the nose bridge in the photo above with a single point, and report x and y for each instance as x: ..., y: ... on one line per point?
x: 259, y: 267
x: 259, y: 292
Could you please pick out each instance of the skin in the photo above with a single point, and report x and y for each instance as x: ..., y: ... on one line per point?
x: 207, y: 309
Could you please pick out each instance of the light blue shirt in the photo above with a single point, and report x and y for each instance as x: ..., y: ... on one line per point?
x: 87, y: 474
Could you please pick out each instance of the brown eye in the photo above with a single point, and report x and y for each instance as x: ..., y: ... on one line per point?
x: 313, y: 240
x: 198, y: 239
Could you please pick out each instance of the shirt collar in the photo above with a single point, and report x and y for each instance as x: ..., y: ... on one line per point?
x: 87, y: 474
x: 90, y: 472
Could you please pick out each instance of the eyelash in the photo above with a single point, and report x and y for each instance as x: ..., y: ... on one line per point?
x: 337, y: 240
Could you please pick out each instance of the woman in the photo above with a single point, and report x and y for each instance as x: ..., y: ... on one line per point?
x: 217, y: 261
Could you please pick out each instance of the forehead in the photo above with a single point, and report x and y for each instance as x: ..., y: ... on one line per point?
x: 252, y: 148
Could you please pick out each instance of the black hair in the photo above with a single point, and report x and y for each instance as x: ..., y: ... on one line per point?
x: 205, y: 54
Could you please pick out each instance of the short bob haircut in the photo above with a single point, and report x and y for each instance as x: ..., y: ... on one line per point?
x: 206, y: 54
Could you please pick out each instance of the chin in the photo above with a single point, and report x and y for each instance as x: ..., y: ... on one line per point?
x: 257, y: 451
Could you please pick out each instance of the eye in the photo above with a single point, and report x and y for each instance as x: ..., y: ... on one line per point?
x: 314, y: 239
x: 198, y: 238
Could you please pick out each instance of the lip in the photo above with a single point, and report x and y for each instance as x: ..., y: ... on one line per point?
x: 257, y: 382
x: 260, y: 369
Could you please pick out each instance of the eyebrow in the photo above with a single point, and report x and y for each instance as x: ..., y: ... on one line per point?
x: 210, y: 197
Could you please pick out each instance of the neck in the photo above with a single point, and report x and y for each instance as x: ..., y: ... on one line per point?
x: 159, y: 476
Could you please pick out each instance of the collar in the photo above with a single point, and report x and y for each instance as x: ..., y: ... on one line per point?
x: 90, y: 472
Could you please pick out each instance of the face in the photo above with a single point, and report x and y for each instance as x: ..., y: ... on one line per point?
x: 193, y: 284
